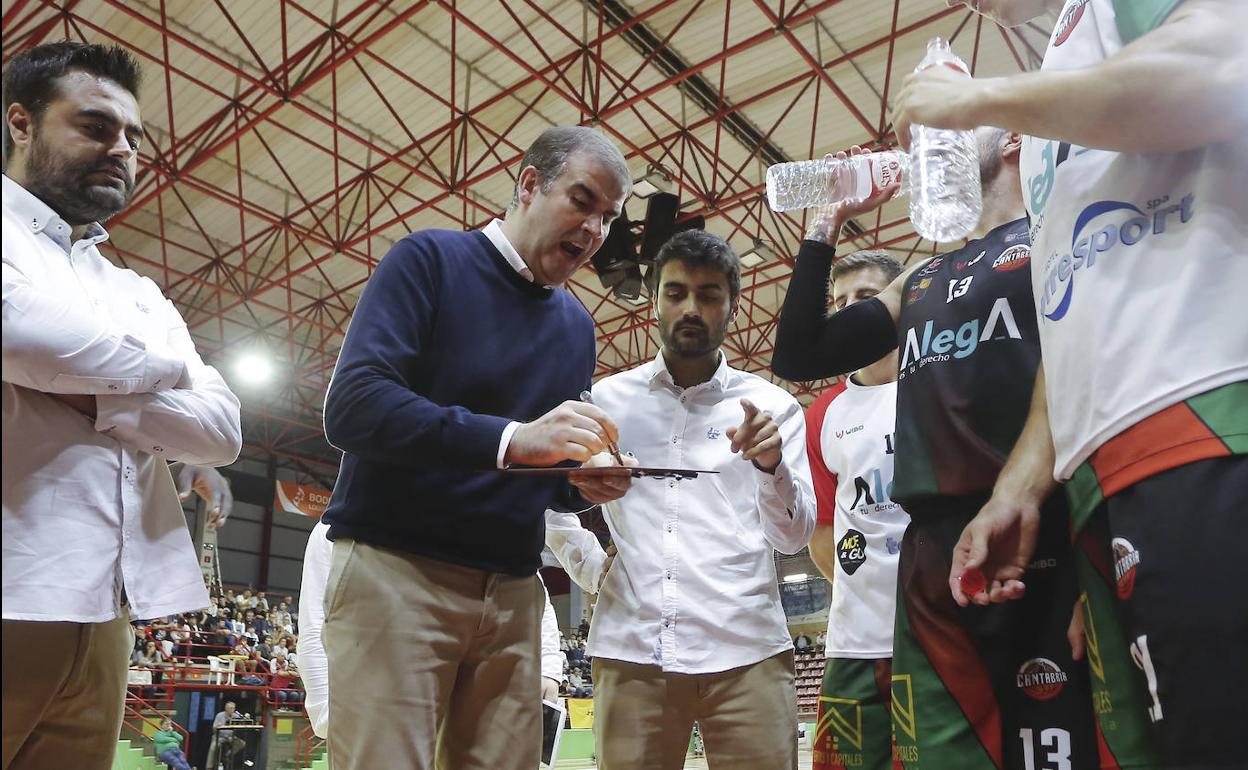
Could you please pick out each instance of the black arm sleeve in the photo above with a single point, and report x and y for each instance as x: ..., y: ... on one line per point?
x: 810, y: 344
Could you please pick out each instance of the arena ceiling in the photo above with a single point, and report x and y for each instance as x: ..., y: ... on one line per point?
x: 291, y: 142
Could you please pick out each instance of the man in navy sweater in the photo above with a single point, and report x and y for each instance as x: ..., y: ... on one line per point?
x: 464, y: 355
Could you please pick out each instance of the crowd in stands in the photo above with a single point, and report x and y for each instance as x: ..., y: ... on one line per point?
x: 262, y: 633
x: 803, y: 644
x: 258, y: 633
x: 578, y: 680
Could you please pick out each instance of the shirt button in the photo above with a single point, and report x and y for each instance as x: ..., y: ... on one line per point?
x: 675, y: 439
x: 667, y: 623
x: 669, y: 576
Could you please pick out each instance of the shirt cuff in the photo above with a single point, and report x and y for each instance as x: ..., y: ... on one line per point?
x: 115, y: 413
x: 164, y: 372
x: 779, y: 483
x: 504, y: 442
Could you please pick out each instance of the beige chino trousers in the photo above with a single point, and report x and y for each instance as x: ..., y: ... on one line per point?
x: 747, y: 716
x: 64, y: 688
x: 431, y: 665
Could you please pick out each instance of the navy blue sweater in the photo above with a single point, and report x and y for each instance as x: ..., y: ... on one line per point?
x: 448, y: 344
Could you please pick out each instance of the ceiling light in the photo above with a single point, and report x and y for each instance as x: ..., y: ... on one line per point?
x: 796, y: 577
x: 761, y: 251
x: 253, y: 368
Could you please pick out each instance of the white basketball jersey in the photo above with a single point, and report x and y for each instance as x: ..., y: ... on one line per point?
x: 1139, y: 264
x: 856, y: 445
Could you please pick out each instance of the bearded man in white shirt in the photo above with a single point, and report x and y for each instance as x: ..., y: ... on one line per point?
x: 101, y: 385
x: 689, y: 625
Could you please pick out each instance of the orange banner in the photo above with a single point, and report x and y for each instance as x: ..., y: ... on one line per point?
x: 301, y: 499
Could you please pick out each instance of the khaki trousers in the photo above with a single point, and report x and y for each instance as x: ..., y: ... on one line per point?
x: 747, y: 716
x: 431, y: 665
x: 64, y: 687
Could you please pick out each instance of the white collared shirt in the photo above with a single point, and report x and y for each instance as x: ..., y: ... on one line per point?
x: 90, y: 507
x: 693, y: 588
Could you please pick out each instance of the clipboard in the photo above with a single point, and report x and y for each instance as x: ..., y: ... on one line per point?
x: 637, y: 473
x: 553, y: 717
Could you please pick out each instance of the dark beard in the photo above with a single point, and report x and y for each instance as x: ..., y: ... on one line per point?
x: 65, y: 190
x: 691, y: 348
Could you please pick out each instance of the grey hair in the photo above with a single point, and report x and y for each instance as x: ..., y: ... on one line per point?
x: 550, y: 151
x: 886, y: 263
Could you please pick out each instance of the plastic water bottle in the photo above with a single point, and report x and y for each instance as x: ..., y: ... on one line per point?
x: 946, y: 202
x: 808, y: 183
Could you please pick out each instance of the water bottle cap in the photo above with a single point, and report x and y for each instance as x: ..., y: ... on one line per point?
x: 940, y: 52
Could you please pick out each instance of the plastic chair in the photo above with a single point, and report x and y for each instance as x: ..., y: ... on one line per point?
x: 218, y: 666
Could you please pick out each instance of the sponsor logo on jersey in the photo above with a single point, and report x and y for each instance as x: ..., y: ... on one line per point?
x: 851, y: 551
x: 850, y: 431
x: 844, y: 717
x: 1013, y: 258
x: 932, y: 266
x: 1043, y: 564
x: 939, y: 346
x: 1068, y: 22
x: 712, y: 433
x: 918, y: 291
x: 1015, y: 236
x: 965, y: 265
x: 1040, y: 679
x: 893, y: 545
x: 1126, y: 559
x: 872, y: 495
x: 1099, y: 229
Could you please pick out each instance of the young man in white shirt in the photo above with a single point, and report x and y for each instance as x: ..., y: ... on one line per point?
x: 102, y: 385
x: 689, y: 625
x: 857, y: 538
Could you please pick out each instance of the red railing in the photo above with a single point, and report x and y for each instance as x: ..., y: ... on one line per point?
x: 193, y: 677
x: 134, y: 718
x: 306, y: 746
x: 188, y: 653
x: 172, y: 677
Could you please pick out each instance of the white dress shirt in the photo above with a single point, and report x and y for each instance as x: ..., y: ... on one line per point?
x: 314, y: 664
x: 693, y: 588
x: 552, y: 658
x: 90, y: 507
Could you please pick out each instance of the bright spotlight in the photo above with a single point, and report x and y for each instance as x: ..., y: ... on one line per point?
x: 253, y: 369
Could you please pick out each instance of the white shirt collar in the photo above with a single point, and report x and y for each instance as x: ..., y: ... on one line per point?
x: 494, y: 231
x: 28, y: 209
x: 657, y: 372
